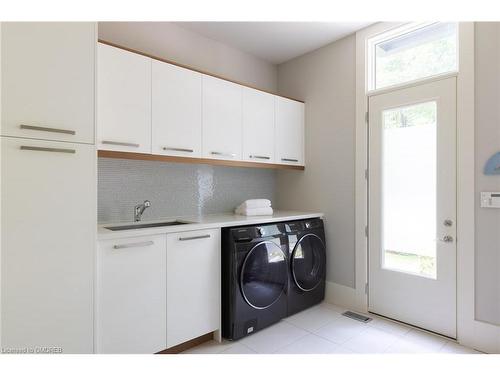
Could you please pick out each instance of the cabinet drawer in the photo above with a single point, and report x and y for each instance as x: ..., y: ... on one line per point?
x: 193, y: 284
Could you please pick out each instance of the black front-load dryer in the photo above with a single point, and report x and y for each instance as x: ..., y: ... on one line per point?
x: 254, y: 278
x: 307, y: 262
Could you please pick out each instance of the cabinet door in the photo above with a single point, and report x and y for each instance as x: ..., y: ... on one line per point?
x: 193, y: 284
x: 258, y: 126
x: 123, y: 100
x: 48, y: 84
x: 131, y: 295
x: 222, y: 128
x: 289, y: 131
x: 48, y: 241
x: 176, y: 110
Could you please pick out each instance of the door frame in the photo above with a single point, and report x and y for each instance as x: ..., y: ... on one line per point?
x: 470, y: 332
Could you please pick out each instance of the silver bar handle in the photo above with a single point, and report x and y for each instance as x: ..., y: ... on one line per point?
x: 48, y: 149
x: 194, y: 237
x: 288, y: 159
x: 135, y: 244
x: 45, y: 129
x: 114, y: 143
x: 178, y: 149
x: 259, y: 157
x: 223, y: 154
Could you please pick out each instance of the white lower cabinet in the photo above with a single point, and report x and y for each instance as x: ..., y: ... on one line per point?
x: 48, y: 222
x: 193, y: 284
x: 155, y: 292
x: 131, y: 295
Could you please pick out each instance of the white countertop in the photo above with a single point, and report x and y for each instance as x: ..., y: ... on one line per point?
x: 201, y: 222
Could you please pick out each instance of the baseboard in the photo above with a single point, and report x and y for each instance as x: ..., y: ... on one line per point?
x: 341, y: 295
x: 486, y: 337
x: 188, y: 344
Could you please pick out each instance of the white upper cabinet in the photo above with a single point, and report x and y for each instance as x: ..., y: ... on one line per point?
x: 222, y: 115
x: 48, y: 80
x: 123, y: 100
x: 258, y: 126
x: 176, y: 110
x: 149, y: 106
x: 289, y: 131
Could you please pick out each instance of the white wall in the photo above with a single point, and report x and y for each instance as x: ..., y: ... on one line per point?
x: 172, y: 42
x: 487, y: 137
x: 325, y: 79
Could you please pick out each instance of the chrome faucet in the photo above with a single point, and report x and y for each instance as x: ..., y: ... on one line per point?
x: 139, y: 210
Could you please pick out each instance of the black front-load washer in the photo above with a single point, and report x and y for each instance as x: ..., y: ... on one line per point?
x: 307, y: 259
x: 254, y: 278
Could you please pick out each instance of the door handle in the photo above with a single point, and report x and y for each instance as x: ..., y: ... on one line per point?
x: 135, y: 244
x: 446, y: 239
x: 259, y: 157
x: 194, y: 237
x: 120, y: 143
x: 178, y: 149
x: 288, y: 159
x: 226, y: 154
x: 48, y: 149
x: 45, y: 129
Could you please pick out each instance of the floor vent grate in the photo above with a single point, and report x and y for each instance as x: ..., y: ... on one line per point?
x: 358, y: 317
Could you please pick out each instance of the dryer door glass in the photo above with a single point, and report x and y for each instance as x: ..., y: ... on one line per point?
x: 264, y: 275
x: 308, y: 262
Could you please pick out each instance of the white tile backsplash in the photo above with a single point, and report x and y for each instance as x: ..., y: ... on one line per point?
x: 176, y: 189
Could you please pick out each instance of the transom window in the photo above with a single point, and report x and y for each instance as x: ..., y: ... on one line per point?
x: 412, y: 52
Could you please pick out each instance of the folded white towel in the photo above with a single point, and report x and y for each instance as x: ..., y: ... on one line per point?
x: 262, y: 211
x: 255, y: 203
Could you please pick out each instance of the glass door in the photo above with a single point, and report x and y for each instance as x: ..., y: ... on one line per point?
x: 412, y: 205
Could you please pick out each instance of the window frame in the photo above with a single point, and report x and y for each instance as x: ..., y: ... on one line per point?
x: 395, y: 32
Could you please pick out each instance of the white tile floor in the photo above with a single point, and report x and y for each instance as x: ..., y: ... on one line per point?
x: 323, y: 330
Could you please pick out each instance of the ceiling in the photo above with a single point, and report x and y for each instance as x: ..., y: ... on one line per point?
x: 275, y: 42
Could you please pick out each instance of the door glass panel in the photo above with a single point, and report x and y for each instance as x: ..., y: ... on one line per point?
x: 264, y: 274
x: 308, y: 262
x: 409, y: 158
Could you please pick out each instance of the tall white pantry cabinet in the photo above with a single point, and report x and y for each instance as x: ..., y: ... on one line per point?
x: 48, y: 199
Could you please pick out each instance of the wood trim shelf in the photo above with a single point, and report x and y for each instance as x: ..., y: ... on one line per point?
x: 180, y: 159
x: 191, y: 68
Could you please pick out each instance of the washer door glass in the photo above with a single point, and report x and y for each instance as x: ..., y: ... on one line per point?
x: 308, y: 262
x: 263, y: 275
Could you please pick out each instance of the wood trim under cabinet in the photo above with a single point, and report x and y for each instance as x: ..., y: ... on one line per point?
x: 188, y: 344
x: 191, y: 68
x: 180, y: 159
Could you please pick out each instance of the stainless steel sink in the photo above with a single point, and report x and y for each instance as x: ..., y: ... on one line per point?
x: 148, y: 225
